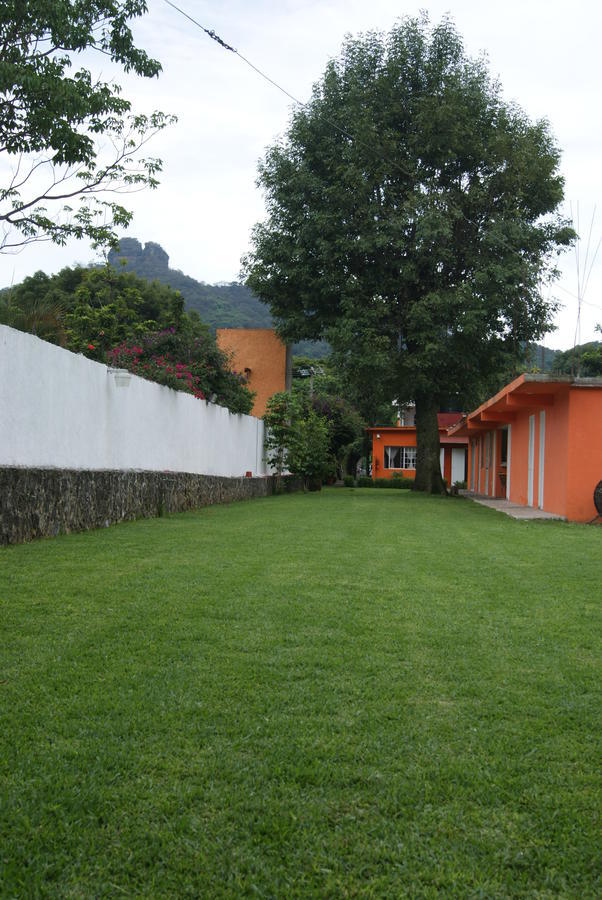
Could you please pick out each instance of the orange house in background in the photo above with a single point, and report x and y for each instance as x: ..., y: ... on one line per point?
x: 538, y: 442
x: 259, y: 354
x: 394, y: 450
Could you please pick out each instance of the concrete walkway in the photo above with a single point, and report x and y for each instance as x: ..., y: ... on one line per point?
x: 510, y: 509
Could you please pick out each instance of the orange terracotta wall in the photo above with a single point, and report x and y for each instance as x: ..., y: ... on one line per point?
x: 469, y: 464
x: 484, y: 484
x: 571, y: 438
x: 584, y: 452
x: 404, y: 436
x: 473, y: 460
x: 556, y: 456
x: 519, y: 459
x: 490, y: 482
x: 572, y: 455
x: 261, y: 351
x: 499, y: 485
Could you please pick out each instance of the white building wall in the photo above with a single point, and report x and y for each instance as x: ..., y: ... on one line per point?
x: 59, y: 409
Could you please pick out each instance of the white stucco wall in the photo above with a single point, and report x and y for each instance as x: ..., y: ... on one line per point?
x: 62, y: 410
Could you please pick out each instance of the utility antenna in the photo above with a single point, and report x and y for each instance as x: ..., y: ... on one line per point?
x: 584, y: 271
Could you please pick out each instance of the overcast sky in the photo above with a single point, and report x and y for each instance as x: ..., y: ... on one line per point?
x: 545, y: 54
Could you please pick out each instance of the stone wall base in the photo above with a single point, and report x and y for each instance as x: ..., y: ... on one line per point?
x: 38, y: 503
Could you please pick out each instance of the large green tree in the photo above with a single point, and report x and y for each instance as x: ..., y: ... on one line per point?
x: 411, y: 222
x: 66, y: 137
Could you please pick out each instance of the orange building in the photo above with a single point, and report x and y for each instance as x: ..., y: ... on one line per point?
x: 394, y: 450
x: 259, y: 354
x: 538, y: 442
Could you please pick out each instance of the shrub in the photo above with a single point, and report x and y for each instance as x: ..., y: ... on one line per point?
x: 190, y: 363
x: 298, y: 438
x: 397, y: 483
x: 349, y: 481
x: 307, y: 453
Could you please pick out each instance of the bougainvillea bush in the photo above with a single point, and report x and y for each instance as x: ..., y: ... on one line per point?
x: 194, y: 364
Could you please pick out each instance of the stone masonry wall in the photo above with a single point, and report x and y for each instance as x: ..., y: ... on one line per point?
x: 38, y: 503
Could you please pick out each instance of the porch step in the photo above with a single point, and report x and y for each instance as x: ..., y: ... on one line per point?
x: 511, y: 509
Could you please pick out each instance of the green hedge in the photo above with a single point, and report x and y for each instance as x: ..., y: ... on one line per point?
x: 397, y: 482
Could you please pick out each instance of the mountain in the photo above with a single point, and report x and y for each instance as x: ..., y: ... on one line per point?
x: 229, y: 305
x: 219, y: 305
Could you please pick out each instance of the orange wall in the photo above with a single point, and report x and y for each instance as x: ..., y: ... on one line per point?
x: 572, y: 454
x: 493, y: 487
x: 519, y: 459
x: 403, y: 436
x: 261, y: 351
x: 470, y: 455
x: 484, y: 484
x: 556, y: 467
x: 499, y: 486
x: 584, y: 452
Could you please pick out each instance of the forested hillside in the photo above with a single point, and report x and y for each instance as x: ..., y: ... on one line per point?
x: 229, y: 305
x: 219, y: 305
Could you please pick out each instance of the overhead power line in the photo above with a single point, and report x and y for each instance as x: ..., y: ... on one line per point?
x: 215, y: 37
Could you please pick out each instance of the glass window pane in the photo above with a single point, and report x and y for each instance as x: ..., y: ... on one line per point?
x: 409, y: 457
x: 392, y: 455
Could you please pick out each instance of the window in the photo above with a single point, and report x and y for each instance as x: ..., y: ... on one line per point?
x: 400, y: 457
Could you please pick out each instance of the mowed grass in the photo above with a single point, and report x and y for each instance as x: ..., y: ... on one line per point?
x: 347, y: 694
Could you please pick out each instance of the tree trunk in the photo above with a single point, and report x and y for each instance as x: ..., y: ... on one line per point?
x: 428, y: 468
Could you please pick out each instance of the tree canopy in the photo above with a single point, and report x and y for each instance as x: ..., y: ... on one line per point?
x: 319, y: 387
x: 412, y: 219
x: 67, y: 137
x: 298, y: 438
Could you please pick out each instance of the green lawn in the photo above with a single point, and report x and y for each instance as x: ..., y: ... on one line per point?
x: 356, y: 693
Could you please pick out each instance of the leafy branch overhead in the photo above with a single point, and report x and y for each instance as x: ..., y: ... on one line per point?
x: 67, y: 137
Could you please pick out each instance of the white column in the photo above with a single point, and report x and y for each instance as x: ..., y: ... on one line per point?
x: 531, y: 463
x: 542, y: 455
x: 508, y: 462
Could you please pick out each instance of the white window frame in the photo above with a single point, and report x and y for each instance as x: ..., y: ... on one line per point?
x: 407, y: 458
x: 531, y: 461
x: 508, y: 461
